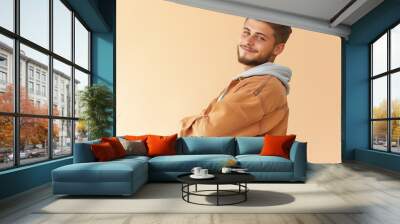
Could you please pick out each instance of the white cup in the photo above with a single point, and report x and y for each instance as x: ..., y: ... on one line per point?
x: 203, y: 172
x: 226, y: 170
x: 196, y: 170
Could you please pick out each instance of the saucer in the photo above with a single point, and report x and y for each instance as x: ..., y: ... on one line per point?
x: 208, y: 176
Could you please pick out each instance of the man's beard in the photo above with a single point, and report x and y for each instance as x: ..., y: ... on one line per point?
x: 253, y: 62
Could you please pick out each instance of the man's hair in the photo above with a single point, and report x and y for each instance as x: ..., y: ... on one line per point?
x: 281, y: 32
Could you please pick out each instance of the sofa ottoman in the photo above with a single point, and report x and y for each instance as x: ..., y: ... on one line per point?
x: 118, y: 177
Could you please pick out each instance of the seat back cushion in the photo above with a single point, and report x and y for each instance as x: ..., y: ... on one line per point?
x: 249, y: 145
x: 161, y: 145
x: 116, y: 145
x: 277, y: 145
x: 104, y: 152
x: 206, y: 145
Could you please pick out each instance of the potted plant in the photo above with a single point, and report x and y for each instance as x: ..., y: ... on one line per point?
x: 97, y: 104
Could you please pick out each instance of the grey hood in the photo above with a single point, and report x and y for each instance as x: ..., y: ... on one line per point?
x: 283, y: 73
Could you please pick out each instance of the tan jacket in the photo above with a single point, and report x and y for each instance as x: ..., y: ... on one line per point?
x: 251, y: 106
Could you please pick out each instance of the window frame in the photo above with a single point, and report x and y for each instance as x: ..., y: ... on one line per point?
x: 388, y: 74
x: 16, y: 115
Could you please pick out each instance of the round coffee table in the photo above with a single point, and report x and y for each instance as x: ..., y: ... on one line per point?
x: 238, y: 179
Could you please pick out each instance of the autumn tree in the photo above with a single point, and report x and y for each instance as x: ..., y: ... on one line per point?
x: 380, y: 127
x: 33, y: 131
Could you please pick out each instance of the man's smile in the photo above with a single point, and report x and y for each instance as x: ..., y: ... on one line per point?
x: 248, y: 49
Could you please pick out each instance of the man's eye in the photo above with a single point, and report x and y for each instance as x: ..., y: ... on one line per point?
x: 261, y: 38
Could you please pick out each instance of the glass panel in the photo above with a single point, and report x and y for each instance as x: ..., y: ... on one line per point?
x: 379, y: 97
x: 34, y: 97
x: 379, y: 55
x: 395, y: 47
x: 62, y: 89
x: 379, y: 135
x: 35, y: 21
x: 395, y: 94
x: 81, y: 131
x: 62, y: 138
x: 62, y: 28
x: 33, y: 139
x: 6, y: 74
x: 6, y: 142
x: 81, y: 81
x: 81, y: 45
x: 395, y: 136
x: 7, y: 14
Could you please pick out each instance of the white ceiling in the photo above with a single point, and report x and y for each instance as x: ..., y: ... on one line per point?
x: 326, y: 16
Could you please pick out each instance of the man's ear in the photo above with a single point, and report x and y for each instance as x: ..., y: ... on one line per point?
x: 278, y: 48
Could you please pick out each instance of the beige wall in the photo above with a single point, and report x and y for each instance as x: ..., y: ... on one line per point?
x: 173, y: 59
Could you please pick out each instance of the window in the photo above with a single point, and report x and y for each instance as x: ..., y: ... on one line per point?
x: 62, y: 74
x: 6, y: 73
x: 62, y: 137
x: 48, y: 76
x: 385, y: 91
x: 62, y: 29
x: 30, y: 87
x: 6, y: 142
x: 35, y: 21
x: 3, y: 61
x: 7, y: 14
x: 81, y: 45
x: 44, y: 91
x: 37, y: 74
x: 81, y: 81
x: 30, y: 72
x: 3, y: 78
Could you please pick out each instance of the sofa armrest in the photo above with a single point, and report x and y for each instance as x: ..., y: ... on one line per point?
x: 298, y: 155
x: 83, y: 152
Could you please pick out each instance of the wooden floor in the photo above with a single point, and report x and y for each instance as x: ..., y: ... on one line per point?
x: 377, y: 188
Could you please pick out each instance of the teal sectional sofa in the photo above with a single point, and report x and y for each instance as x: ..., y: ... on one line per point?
x: 125, y: 176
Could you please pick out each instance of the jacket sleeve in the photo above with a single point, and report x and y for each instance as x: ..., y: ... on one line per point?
x: 246, y: 106
x: 226, y: 116
x: 187, y: 122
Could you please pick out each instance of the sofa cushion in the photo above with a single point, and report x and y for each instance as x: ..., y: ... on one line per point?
x: 119, y: 170
x: 277, y: 145
x: 103, y: 152
x: 206, y: 145
x: 134, y: 147
x: 249, y: 145
x: 185, y: 163
x: 161, y: 145
x: 116, y: 145
x: 257, y: 163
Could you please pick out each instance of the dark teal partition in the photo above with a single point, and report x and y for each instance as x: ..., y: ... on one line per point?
x: 355, y: 88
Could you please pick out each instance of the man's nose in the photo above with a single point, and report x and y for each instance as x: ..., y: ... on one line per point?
x: 250, y: 40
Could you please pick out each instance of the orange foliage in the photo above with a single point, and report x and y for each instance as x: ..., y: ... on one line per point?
x: 34, y: 130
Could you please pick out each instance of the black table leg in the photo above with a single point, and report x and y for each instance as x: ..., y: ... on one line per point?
x: 245, y: 193
x: 217, y: 194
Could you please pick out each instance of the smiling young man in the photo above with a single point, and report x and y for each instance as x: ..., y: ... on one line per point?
x: 254, y: 103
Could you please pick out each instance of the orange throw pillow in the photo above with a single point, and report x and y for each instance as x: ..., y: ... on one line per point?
x: 116, y: 145
x: 161, y: 145
x: 135, y: 138
x: 277, y: 145
x: 103, y: 151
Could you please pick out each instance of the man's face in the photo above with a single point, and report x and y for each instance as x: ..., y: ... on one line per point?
x: 257, y: 43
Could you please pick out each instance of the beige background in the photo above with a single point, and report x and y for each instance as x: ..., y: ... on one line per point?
x: 173, y: 59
